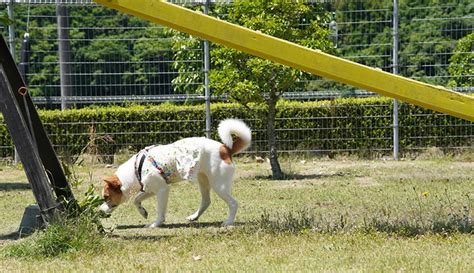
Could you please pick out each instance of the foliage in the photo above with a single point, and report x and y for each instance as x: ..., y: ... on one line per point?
x: 4, y: 19
x: 250, y: 79
x: 187, y: 61
x: 461, y: 67
x: 104, y: 41
x: 425, y: 34
x: 96, y: 51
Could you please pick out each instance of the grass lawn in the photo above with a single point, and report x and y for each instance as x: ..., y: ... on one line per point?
x: 330, y: 215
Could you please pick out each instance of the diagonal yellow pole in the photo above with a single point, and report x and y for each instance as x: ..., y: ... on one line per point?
x: 313, y: 61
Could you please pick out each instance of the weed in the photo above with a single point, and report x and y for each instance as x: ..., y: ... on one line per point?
x: 63, y: 235
x: 293, y: 222
x: 78, y: 228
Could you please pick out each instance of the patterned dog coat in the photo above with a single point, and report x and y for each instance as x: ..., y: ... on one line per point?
x: 176, y: 161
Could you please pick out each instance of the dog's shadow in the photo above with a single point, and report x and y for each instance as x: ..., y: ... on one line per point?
x: 135, y: 237
x: 179, y: 225
x: 291, y: 176
x: 165, y: 226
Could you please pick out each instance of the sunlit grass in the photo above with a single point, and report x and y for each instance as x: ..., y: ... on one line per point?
x: 330, y: 215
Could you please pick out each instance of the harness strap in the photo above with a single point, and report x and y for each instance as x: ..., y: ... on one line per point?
x: 143, y: 154
x: 138, y: 170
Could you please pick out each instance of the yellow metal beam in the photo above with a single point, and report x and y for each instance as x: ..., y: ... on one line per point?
x: 313, y: 61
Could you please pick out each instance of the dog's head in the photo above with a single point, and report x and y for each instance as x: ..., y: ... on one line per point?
x: 111, y: 193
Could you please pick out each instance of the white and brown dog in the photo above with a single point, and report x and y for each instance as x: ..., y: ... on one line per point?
x: 153, y: 169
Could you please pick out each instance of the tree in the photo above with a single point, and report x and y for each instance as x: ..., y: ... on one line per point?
x: 248, y: 79
x: 461, y: 67
x: 4, y: 20
x: 188, y: 60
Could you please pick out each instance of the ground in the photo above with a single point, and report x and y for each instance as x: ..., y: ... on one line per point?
x: 329, y: 215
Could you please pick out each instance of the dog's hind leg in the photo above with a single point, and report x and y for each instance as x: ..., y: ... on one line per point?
x: 224, y: 192
x: 204, y: 188
x: 138, y: 202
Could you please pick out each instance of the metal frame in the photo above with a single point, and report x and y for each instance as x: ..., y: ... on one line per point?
x: 316, y: 62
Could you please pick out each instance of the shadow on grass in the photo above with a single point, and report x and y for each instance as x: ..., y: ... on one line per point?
x: 15, y: 236
x: 10, y: 237
x: 180, y: 225
x: 166, y: 226
x: 295, y: 176
x: 14, y: 186
x: 136, y: 237
x: 129, y: 226
x: 404, y: 229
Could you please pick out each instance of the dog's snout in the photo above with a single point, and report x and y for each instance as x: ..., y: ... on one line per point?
x: 105, y: 207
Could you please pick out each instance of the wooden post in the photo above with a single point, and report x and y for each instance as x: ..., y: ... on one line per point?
x: 28, y: 112
x: 26, y: 149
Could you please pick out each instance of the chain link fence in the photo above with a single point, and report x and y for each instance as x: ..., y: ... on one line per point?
x: 116, y: 58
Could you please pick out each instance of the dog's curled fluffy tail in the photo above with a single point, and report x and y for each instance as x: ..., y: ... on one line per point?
x: 242, y: 133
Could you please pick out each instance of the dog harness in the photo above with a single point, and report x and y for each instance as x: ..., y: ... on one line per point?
x: 143, y: 155
x: 174, y: 162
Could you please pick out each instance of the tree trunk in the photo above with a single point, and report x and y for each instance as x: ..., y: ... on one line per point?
x: 275, y: 165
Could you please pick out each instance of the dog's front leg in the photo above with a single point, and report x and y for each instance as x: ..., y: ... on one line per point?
x: 162, y: 196
x: 138, y: 202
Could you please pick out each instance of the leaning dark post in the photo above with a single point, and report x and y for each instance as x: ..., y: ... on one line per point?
x: 26, y: 149
x: 49, y: 160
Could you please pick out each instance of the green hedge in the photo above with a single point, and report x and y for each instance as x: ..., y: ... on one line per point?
x: 362, y: 126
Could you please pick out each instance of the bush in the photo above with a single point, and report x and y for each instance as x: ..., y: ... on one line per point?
x: 357, y: 126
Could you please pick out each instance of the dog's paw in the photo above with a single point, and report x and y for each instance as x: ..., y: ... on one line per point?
x: 143, y: 212
x: 227, y: 223
x: 155, y: 224
x: 193, y: 217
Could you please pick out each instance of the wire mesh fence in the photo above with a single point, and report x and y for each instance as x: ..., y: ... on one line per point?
x: 116, y: 58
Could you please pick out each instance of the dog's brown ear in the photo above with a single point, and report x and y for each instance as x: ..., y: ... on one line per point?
x: 113, y: 182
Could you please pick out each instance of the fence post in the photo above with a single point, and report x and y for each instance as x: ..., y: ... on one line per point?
x: 11, y: 44
x: 207, y: 91
x: 64, y: 49
x: 395, y: 71
x: 11, y: 29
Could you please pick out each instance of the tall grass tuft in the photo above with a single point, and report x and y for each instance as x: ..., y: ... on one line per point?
x: 62, y: 236
x: 76, y: 229
x: 293, y: 222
